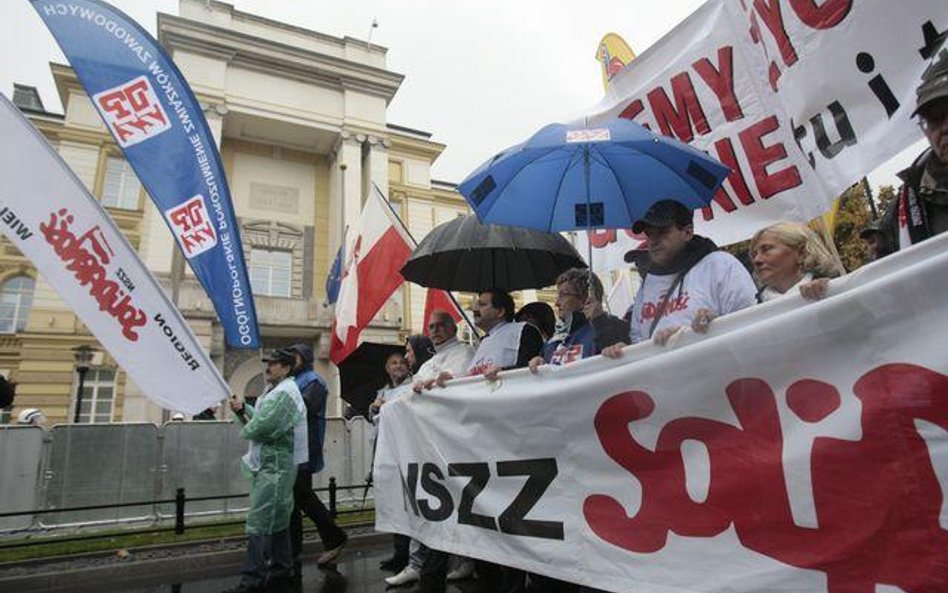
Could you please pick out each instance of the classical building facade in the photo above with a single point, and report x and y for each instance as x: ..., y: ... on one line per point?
x: 300, y: 120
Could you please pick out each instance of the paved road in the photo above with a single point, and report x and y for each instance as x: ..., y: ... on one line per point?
x: 358, y: 572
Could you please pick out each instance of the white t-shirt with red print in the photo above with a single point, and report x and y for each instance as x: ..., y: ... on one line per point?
x: 499, y: 347
x: 718, y: 282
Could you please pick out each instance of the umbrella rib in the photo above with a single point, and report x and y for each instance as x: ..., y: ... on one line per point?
x: 556, y: 197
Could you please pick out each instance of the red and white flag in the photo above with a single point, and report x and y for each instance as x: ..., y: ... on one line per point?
x: 379, y: 250
x: 439, y: 300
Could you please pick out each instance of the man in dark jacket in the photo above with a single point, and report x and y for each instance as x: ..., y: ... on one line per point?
x: 921, y: 209
x: 314, y: 392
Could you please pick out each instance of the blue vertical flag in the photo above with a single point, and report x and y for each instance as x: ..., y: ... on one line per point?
x: 334, y: 279
x: 157, y: 122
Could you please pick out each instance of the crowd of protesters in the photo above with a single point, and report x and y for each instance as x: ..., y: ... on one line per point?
x: 687, y: 283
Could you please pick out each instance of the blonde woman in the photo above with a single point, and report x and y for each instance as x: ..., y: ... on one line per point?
x: 787, y: 256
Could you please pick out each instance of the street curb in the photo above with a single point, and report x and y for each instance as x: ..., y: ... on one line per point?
x: 139, y: 572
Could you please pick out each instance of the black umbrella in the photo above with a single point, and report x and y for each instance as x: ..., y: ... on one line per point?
x: 362, y: 373
x: 469, y: 256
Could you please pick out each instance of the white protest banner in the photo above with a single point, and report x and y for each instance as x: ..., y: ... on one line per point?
x: 798, y: 447
x: 50, y: 216
x: 799, y: 98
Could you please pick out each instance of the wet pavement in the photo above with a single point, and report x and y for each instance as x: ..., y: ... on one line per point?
x: 357, y: 572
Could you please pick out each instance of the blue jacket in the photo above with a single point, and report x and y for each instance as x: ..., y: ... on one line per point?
x: 579, y: 343
x: 314, y: 392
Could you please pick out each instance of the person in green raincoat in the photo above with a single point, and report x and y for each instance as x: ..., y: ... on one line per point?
x: 272, y: 425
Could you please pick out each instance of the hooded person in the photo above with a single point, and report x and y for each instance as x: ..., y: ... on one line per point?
x: 276, y: 428
x: 540, y: 315
x: 418, y: 350
x: 314, y: 393
x: 876, y: 240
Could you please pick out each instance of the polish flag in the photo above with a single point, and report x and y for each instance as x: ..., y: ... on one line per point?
x: 439, y: 300
x: 380, y: 249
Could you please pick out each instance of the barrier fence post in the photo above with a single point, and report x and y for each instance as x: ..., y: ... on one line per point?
x: 332, y: 496
x: 179, y: 512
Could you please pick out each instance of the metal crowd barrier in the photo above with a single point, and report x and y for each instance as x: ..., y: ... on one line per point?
x: 74, y: 476
x: 180, y: 502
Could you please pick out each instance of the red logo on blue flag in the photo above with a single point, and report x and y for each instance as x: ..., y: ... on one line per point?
x: 192, y: 226
x: 132, y: 111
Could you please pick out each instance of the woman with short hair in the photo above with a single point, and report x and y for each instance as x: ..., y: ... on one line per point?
x: 787, y: 257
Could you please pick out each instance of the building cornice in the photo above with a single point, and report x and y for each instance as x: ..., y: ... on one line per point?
x: 414, y: 146
x: 265, y: 55
x: 427, y: 194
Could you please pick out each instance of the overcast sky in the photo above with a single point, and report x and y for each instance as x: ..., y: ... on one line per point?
x: 479, y: 75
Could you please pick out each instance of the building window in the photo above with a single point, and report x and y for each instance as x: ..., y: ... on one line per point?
x: 98, y: 396
x: 16, y: 298
x: 271, y: 271
x: 27, y: 98
x: 121, y: 188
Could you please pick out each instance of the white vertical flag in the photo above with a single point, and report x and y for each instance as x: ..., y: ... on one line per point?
x: 51, y: 217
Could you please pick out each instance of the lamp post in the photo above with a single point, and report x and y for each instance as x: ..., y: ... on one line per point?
x: 83, y: 355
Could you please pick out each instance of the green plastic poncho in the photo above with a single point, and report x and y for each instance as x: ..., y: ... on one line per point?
x: 268, y: 465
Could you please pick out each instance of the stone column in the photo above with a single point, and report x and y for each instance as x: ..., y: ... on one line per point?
x: 214, y: 114
x: 377, y: 162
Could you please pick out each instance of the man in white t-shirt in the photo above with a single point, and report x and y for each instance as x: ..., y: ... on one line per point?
x: 688, y: 279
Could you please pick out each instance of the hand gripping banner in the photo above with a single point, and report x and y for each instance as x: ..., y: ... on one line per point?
x: 48, y: 214
x: 155, y: 119
x: 799, y: 447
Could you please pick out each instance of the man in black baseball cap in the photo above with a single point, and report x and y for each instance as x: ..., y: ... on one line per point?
x: 275, y: 428
x: 282, y: 356
x: 664, y: 213
x: 688, y: 278
x: 922, y: 203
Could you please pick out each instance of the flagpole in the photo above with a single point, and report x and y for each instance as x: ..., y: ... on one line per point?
x: 414, y: 245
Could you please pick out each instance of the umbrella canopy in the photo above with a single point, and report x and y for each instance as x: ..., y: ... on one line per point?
x: 362, y: 373
x: 466, y: 255
x: 569, y: 177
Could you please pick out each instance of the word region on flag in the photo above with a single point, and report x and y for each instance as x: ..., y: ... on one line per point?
x: 155, y: 119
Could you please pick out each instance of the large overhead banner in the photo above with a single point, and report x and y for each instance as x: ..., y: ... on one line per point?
x: 799, y: 98
x: 155, y: 119
x: 798, y: 447
x: 47, y: 213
